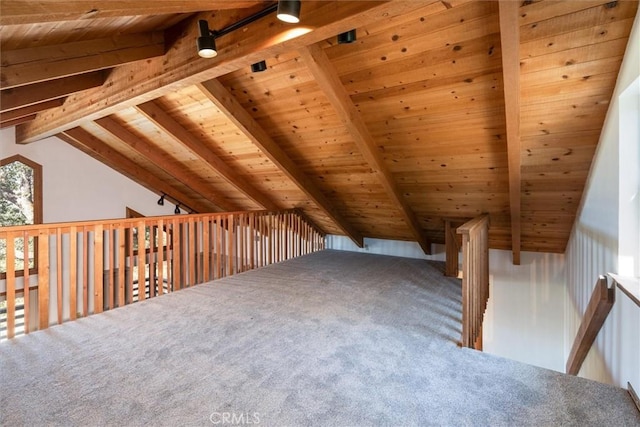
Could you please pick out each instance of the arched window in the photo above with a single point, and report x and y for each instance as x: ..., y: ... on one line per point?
x: 20, y: 201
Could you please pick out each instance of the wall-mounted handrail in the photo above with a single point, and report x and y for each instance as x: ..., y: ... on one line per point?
x: 600, y: 304
x: 475, y: 279
x: 92, y: 266
x: 630, y: 286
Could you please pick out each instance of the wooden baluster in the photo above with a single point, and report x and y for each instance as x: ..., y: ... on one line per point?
x: 112, y: 250
x: 242, y: 244
x: 192, y: 250
x: 130, y: 255
x: 27, y: 260
x: 121, y: 266
x: 153, y: 249
x: 43, y: 279
x: 58, y: 243
x: 252, y: 241
x: 206, y: 249
x: 84, y: 239
x: 11, y: 285
x: 178, y: 245
x: 142, y: 270
x: 98, y: 269
x: 73, y: 272
x: 219, y: 246
x: 161, y: 248
x: 231, y: 235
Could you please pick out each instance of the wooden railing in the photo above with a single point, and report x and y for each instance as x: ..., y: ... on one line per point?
x: 89, y: 267
x: 602, y: 299
x: 475, y: 279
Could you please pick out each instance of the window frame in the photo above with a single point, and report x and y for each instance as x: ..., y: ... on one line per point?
x: 37, y: 203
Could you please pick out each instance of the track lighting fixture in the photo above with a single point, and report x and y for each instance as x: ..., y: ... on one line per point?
x: 289, y: 11
x: 207, y: 41
x: 259, y: 66
x: 347, y: 37
x: 177, y: 209
x: 161, y: 200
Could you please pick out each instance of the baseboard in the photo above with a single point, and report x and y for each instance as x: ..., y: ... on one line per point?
x: 633, y: 395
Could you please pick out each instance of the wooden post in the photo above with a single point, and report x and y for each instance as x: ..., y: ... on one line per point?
x: 452, y: 249
x: 475, y: 279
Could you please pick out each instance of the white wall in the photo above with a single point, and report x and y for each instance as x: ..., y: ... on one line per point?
x: 605, y: 235
x: 524, y: 318
x: 385, y: 247
x: 77, y: 187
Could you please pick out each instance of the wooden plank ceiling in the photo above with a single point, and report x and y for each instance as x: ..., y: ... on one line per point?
x: 440, y: 110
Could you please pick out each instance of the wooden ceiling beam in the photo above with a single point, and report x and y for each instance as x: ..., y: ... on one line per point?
x: 229, y: 105
x: 16, y: 121
x: 163, y: 161
x: 174, y: 129
x: 30, y: 110
x: 36, y: 64
x: 510, y: 42
x: 329, y: 82
x: 23, y: 96
x: 16, y: 12
x: 89, y: 144
x: 129, y: 85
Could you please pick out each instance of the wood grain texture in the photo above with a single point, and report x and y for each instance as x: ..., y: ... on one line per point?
x: 329, y: 82
x: 36, y: 64
x: 25, y: 96
x: 429, y: 90
x: 25, y: 12
x: 227, y: 103
x: 510, y: 41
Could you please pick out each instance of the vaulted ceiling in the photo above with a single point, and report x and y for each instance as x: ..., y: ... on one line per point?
x: 441, y: 110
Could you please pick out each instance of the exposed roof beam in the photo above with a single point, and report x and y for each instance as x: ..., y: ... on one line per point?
x: 36, y: 64
x: 129, y: 85
x: 29, y: 12
x: 162, y: 160
x: 23, y: 96
x: 16, y: 121
x: 327, y: 78
x: 174, y: 129
x: 97, y: 149
x: 510, y: 42
x: 230, y: 106
x: 30, y: 110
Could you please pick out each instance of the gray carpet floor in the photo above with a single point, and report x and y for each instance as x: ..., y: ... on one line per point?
x: 328, y: 339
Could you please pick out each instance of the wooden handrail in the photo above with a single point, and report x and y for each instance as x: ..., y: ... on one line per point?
x: 630, y: 287
x: 475, y: 279
x: 600, y: 304
x: 91, y: 266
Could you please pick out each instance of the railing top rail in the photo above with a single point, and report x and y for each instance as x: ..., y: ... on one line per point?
x: 630, y: 286
x: 133, y: 221
x: 474, y: 224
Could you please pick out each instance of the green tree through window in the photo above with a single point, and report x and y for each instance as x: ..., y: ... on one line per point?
x: 20, y: 188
